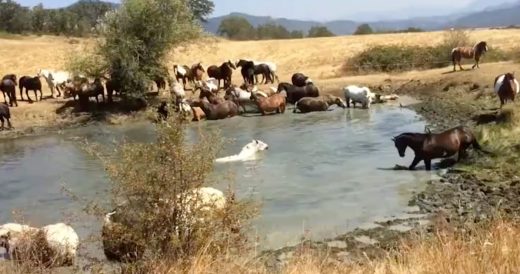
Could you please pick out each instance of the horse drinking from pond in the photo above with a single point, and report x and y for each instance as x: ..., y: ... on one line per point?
x: 428, y: 146
x: 275, y: 103
x: 457, y: 54
x: 361, y: 95
x: 506, y: 87
x: 248, y: 153
x: 322, y: 103
x: 218, y: 111
x: 294, y: 93
x: 224, y: 72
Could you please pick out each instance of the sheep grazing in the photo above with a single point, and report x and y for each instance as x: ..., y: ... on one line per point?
x: 51, y: 246
x: 361, y: 95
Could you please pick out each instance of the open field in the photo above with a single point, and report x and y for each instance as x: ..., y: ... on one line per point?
x: 320, y: 58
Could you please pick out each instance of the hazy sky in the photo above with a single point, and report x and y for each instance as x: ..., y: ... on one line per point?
x: 326, y: 9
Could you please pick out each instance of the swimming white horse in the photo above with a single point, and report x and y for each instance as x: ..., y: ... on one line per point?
x: 249, y: 153
x: 361, y: 95
x: 55, y: 79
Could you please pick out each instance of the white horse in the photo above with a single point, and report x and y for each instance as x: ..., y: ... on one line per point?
x: 361, y: 95
x: 241, y: 97
x: 249, y: 153
x: 55, y: 79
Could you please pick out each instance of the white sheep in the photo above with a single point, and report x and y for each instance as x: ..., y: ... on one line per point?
x: 63, y: 240
x: 361, y: 95
x: 60, y: 239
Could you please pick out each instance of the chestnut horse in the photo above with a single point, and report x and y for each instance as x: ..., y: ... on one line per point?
x: 428, y: 146
x: 275, y: 103
x: 506, y: 87
x: 468, y: 52
x: 220, y: 111
x: 224, y: 72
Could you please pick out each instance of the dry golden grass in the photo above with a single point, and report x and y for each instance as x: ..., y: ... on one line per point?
x: 494, y: 249
x: 320, y: 58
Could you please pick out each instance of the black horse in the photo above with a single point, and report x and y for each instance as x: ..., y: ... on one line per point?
x: 8, y: 88
x: 224, y: 72
x: 248, y: 71
x: 300, y: 79
x: 265, y: 71
x: 30, y: 83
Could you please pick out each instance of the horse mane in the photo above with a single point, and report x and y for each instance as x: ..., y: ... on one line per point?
x: 480, y: 46
x: 410, y: 134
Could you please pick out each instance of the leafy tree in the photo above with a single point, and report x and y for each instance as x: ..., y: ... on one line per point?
x: 38, y: 18
x: 297, y: 34
x: 201, y: 9
x: 237, y: 28
x: 13, y: 17
x: 320, y: 31
x: 272, y: 31
x: 137, y: 36
x: 363, y: 29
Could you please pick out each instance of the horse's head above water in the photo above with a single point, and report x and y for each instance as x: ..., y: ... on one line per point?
x: 254, y: 147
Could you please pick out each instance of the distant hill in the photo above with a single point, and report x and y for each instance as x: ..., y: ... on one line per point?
x: 212, y: 24
x: 494, y: 16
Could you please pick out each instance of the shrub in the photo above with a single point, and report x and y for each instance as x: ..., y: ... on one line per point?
x: 394, y: 58
x: 363, y: 29
x: 149, y: 181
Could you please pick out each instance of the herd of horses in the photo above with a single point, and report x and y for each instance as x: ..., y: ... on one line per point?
x: 300, y: 92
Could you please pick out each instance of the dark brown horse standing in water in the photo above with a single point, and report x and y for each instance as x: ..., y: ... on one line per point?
x: 468, y: 52
x: 506, y: 87
x: 430, y: 146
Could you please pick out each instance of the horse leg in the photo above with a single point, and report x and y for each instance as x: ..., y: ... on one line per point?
x: 416, y: 161
x: 428, y: 164
x: 2, y: 120
x: 460, y: 66
x: 21, y: 93
x: 28, y: 97
x: 12, y: 98
x: 283, y: 108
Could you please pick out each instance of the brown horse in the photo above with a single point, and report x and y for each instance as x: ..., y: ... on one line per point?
x: 433, y: 146
x: 322, y: 103
x: 210, y: 96
x: 275, y: 103
x: 196, y: 73
x: 224, y: 72
x: 220, y: 111
x: 506, y: 87
x: 468, y: 52
x: 5, y: 114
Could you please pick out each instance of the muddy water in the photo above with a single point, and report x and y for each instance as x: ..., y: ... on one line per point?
x: 325, y: 173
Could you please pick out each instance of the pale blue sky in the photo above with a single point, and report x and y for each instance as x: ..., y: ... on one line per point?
x: 322, y: 10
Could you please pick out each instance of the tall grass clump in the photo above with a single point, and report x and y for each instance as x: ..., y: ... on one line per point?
x: 156, y: 219
x: 501, y: 139
x: 397, y: 58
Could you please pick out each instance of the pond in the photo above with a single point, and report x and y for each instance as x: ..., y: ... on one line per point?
x: 324, y: 174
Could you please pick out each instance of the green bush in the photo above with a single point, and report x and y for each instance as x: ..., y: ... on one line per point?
x: 149, y: 181
x: 395, y: 58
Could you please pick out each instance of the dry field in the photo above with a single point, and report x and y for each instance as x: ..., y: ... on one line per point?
x: 320, y: 58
